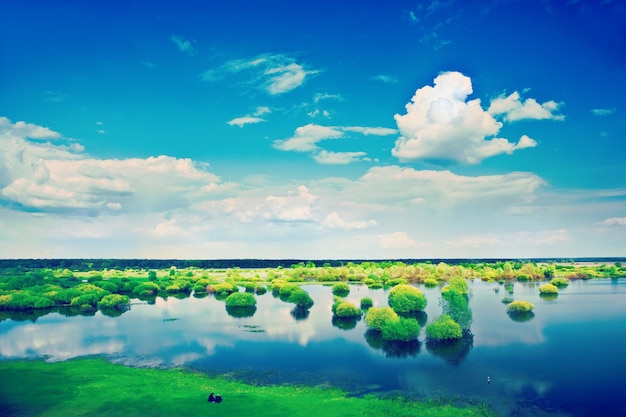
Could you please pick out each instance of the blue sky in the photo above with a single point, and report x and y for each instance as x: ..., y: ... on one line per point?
x: 282, y: 129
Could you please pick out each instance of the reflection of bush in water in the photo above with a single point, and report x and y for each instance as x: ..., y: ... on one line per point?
x: 548, y: 297
x: 392, y: 348
x: 522, y: 317
x: 26, y: 315
x: 113, y: 312
x: 240, y: 312
x: 345, y: 323
x: 452, y: 351
x: 300, y: 313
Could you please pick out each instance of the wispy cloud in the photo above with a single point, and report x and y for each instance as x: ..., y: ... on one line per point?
x: 441, y: 124
x: 244, y: 120
x: 276, y: 74
x: 307, y: 139
x: 385, y: 78
x: 337, y: 158
x: 250, y: 118
x: 183, y: 44
x: 615, y: 221
x: 603, y: 112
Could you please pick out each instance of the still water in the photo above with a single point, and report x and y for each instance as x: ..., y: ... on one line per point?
x: 569, y: 359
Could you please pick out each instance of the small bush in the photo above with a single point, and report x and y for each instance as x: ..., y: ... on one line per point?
x: 430, y: 282
x: 517, y: 307
x: 341, y: 289
x: 287, y: 289
x: 116, y: 301
x: 366, y: 302
x: 405, y: 299
x: 376, y: 317
x: 444, y: 328
x: 241, y: 299
x: 401, y: 329
x: 301, y: 299
x: 342, y: 308
x: 559, y: 282
x: 548, y: 289
x: 396, y: 281
x: 507, y: 300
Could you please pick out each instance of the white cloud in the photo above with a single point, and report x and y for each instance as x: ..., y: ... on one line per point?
x: 26, y: 130
x: 385, y: 78
x: 276, y: 74
x: 326, y: 96
x: 394, y: 184
x: 295, y: 207
x: 47, y: 177
x: 512, y: 108
x: 334, y: 221
x: 250, y: 119
x: 285, y: 78
x: 183, y: 44
x: 396, y: 240
x: 241, y: 121
x: 306, y: 138
x: 615, y: 221
x: 261, y: 110
x: 603, y: 112
x: 441, y: 125
x: 373, y: 131
x: 337, y: 158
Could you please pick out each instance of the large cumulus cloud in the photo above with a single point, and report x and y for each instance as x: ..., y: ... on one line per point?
x: 442, y: 124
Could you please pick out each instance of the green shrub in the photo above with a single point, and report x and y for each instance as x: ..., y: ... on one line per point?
x: 23, y: 301
x: 401, y: 329
x: 241, y: 299
x: 341, y: 289
x: 342, y: 308
x: 301, y: 299
x: 516, y: 307
x: 147, y: 289
x: 548, y: 289
x: 260, y: 289
x: 559, y: 282
x: 431, y: 282
x: 287, y: 289
x: 444, y: 328
x: 376, y: 317
x: 396, y: 281
x: 507, y: 300
x: 366, y: 302
x: 406, y: 299
x: 116, y: 301
x: 223, y: 288
x: 458, y: 284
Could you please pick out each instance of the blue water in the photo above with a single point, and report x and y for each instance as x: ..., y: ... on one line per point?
x: 567, y: 360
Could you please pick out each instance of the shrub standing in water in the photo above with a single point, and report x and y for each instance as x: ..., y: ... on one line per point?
x: 518, y: 307
x: 404, y: 299
x: 241, y: 299
x: 444, y: 328
x: 376, y: 317
x: 341, y: 289
x: 548, y: 289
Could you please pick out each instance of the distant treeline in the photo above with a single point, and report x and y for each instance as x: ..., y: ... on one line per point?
x: 84, y: 265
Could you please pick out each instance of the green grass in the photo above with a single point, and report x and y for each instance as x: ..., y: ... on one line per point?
x: 94, y: 387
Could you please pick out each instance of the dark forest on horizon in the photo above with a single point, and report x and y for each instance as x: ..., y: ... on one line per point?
x: 86, y: 264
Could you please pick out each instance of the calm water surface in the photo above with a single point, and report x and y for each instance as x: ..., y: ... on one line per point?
x: 567, y: 360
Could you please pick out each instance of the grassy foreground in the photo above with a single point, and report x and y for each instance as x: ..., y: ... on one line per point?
x: 94, y: 387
